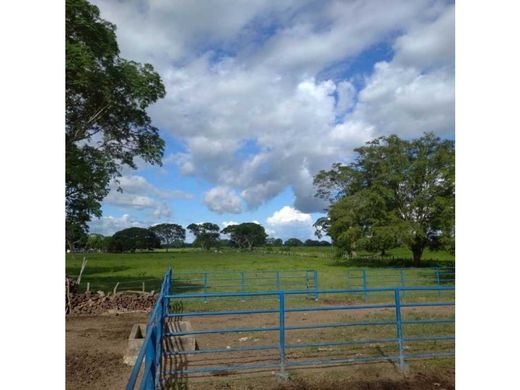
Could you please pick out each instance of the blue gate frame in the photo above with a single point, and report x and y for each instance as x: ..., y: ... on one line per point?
x: 152, y: 351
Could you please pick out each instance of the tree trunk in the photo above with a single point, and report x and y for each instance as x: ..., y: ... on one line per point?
x: 417, y: 251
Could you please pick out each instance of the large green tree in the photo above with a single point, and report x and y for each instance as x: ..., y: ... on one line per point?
x: 128, y: 240
x: 246, y: 235
x: 169, y: 233
x: 206, y: 234
x: 396, y: 192
x: 106, y: 123
x: 292, y: 242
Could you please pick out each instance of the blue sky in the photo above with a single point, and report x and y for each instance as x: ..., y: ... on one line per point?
x: 261, y: 95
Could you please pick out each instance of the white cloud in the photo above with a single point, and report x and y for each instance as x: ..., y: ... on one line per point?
x: 225, y: 224
x: 288, y: 214
x: 415, y: 92
x: 108, y: 225
x: 289, y: 222
x: 238, y: 71
x: 223, y: 200
x: 430, y: 45
x: 139, y: 194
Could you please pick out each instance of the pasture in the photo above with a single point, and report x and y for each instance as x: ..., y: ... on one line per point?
x: 108, y: 333
x: 130, y: 270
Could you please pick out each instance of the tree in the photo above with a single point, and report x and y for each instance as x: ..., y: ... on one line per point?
x: 206, y: 234
x: 246, y: 235
x: 310, y: 242
x: 274, y: 242
x: 75, y: 238
x: 293, y: 242
x: 169, y: 233
x: 395, y: 192
x: 95, y: 241
x: 128, y: 240
x: 106, y: 124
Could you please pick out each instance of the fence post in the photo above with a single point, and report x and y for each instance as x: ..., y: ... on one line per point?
x: 399, y: 327
x: 348, y: 278
x: 143, y: 286
x: 149, y: 374
x: 316, y: 294
x: 242, y: 284
x: 158, y: 335
x: 278, y: 284
x: 281, y: 298
x: 438, y: 280
x: 205, y: 286
x: 364, y: 276
x: 401, y: 274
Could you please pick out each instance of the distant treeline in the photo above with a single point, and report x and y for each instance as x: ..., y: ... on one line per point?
x: 244, y: 236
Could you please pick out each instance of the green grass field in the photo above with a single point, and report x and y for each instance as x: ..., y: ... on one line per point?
x: 104, y: 270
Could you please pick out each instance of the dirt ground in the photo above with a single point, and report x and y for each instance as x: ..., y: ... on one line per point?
x: 95, y: 346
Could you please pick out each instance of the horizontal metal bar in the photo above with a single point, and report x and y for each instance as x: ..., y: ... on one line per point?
x: 221, y: 350
x: 326, y: 308
x: 339, y: 325
x: 433, y: 321
x: 223, y: 294
x: 304, y: 292
x: 327, y: 362
x: 226, y: 330
x: 341, y: 343
x: 230, y: 368
x: 425, y: 304
x: 429, y: 338
x: 238, y: 272
x: 221, y: 313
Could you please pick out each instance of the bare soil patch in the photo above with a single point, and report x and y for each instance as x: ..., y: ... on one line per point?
x: 96, y: 345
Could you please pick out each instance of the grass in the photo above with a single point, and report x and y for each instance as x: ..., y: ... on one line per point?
x: 104, y: 270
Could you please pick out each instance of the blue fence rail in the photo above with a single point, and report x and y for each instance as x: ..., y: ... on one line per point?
x: 241, y: 281
x: 418, y: 331
x: 400, y: 277
x: 148, y: 365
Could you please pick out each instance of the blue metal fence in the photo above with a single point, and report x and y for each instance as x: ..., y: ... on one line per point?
x: 234, y: 281
x: 417, y: 332
x: 151, y: 354
x: 400, y: 277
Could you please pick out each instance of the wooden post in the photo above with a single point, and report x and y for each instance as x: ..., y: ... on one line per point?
x: 67, y: 284
x: 143, y: 286
x: 83, y: 265
x: 115, y: 288
x: 88, y: 286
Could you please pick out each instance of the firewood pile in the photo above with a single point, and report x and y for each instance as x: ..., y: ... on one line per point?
x: 97, y: 303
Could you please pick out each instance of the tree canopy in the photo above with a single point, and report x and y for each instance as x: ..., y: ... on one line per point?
x: 106, y: 123
x: 396, y: 192
x: 128, y: 240
x: 206, y: 234
x: 246, y: 235
x: 169, y: 233
x: 291, y: 242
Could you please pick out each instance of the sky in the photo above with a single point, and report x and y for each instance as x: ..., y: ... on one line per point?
x: 261, y: 95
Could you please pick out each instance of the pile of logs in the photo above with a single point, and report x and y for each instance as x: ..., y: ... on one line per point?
x: 97, y: 303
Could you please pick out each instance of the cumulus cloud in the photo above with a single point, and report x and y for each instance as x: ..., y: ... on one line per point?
x: 223, y: 200
x: 251, y: 71
x: 134, y: 191
x: 289, y: 222
x: 108, y: 225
